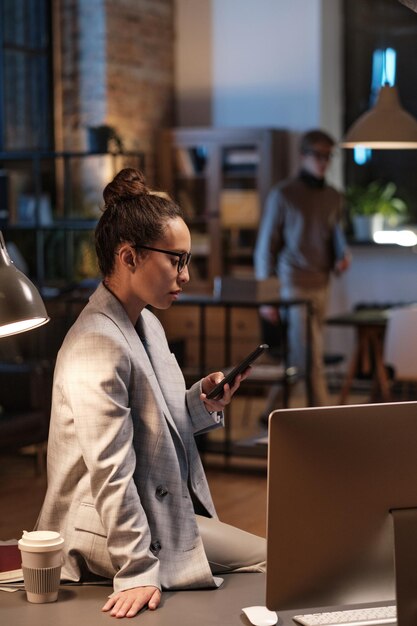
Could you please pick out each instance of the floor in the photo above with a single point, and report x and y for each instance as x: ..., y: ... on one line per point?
x: 238, y: 485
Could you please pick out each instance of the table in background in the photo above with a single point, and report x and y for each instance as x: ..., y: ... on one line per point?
x: 77, y: 299
x: 203, y: 301
x: 367, y: 356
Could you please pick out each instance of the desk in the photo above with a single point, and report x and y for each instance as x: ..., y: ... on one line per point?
x: 203, y: 301
x: 82, y: 606
x: 370, y: 327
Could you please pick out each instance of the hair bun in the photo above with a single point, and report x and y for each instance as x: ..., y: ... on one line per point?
x: 127, y: 183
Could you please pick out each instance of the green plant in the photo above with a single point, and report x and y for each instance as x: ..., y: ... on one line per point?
x: 374, y: 198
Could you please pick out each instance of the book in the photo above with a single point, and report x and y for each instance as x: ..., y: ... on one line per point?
x: 243, y: 157
x: 10, y: 562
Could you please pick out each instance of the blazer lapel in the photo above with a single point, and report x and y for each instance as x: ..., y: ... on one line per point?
x: 167, y: 374
x: 148, y: 358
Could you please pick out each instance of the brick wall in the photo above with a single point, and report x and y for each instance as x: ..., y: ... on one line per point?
x: 140, y: 71
x: 117, y: 68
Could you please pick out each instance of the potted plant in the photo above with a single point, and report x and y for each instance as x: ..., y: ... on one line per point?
x: 372, y: 206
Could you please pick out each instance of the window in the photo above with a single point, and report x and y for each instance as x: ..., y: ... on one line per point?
x: 26, y: 119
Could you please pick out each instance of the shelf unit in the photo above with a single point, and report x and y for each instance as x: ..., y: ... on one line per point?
x: 50, y: 203
x: 221, y: 177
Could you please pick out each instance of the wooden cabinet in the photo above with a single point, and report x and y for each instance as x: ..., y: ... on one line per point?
x: 221, y: 178
x: 182, y: 323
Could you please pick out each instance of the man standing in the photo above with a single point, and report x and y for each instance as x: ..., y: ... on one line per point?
x: 301, y: 241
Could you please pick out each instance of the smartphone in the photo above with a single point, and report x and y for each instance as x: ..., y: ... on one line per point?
x: 243, y: 365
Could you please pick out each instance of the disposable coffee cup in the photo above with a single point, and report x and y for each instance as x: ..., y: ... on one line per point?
x: 42, y: 557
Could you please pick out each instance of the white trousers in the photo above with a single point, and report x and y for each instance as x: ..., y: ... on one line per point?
x: 230, y: 549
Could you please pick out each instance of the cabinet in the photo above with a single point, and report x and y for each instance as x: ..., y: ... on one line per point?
x: 49, y: 206
x: 183, y: 323
x: 220, y: 178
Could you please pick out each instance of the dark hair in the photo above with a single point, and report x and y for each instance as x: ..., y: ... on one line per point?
x: 132, y: 213
x: 313, y: 137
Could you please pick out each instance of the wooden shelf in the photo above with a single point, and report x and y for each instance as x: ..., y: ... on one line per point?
x: 44, y: 200
x: 205, y: 170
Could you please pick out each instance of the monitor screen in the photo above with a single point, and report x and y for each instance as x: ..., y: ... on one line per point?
x: 335, y: 474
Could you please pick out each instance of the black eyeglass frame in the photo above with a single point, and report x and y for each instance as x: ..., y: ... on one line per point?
x: 184, y: 258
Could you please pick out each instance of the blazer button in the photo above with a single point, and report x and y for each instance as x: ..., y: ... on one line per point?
x: 156, y: 546
x: 161, y: 491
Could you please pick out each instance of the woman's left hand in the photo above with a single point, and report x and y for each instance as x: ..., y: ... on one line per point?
x: 210, y: 381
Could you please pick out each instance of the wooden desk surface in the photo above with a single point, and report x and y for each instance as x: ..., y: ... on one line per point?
x: 81, y: 606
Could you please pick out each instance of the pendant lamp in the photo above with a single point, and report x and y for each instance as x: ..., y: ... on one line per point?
x: 21, y: 306
x: 387, y: 126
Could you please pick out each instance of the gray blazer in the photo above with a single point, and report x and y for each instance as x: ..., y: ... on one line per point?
x: 124, y: 473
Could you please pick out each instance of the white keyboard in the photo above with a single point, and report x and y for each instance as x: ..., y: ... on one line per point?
x: 351, y: 617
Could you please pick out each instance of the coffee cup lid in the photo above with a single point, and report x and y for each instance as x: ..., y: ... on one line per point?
x: 40, y: 540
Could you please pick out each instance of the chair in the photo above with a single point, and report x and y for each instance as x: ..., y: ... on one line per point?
x: 400, y: 346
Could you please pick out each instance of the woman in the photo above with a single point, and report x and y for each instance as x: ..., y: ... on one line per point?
x: 126, y: 487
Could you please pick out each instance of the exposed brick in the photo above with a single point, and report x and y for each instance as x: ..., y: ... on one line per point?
x: 120, y: 73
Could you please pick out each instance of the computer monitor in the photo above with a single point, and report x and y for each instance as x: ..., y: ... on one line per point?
x: 340, y: 479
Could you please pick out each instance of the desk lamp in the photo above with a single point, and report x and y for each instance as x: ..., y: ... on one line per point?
x: 411, y: 4
x: 21, y: 306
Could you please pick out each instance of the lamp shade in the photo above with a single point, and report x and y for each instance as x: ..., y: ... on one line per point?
x: 21, y: 306
x: 411, y: 4
x: 386, y: 126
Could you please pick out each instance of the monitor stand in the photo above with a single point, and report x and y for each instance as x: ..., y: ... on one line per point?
x: 405, y: 555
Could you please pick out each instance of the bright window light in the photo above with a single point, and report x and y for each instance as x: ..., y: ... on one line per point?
x: 407, y: 238
x: 384, y: 67
x: 389, y: 67
x: 361, y: 155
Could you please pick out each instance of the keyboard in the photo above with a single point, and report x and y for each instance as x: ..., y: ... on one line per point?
x: 351, y: 617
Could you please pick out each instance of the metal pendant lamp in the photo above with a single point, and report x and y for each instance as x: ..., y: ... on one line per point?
x: 386, y: 126
x: 21, y: 306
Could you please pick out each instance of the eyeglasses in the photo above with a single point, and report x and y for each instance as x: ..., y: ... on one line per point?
x: 320, y: 156
x: 184, y: 258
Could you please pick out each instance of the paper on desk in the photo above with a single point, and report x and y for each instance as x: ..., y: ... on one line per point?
x: 12, y: 589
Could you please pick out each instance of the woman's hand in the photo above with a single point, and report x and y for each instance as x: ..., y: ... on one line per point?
x: 209, y: 382
x: 343, y: 264
x: 129, y: 602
